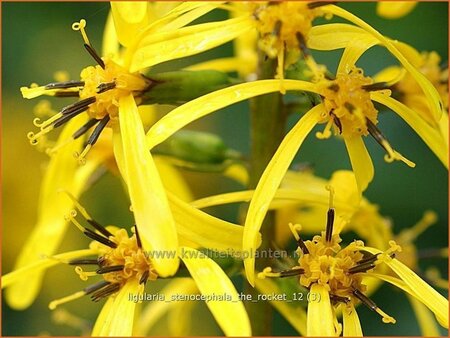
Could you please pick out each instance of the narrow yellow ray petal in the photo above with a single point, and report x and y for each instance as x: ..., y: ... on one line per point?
x: 206, y: 230
x: 353, y: 51
x: 154, y: 311
x: 116, y: 320
x: 352, y: 326
x: 212, y: 282
x: 320, y: 322
x: 296, y: 316
x: 190, y: 16
x: 148, y: 198
x: 415, y: 286
x: 110, y: 44
x: 395, y: 9
x: 63, y: 172
x: 173, y: 180
x: 195, y: 109
x: 429, y: 90
x: 424, y: 318
x: 432, y: 137
x: 186, y: 41
x: 270, y: 181
x: 361, y: 161
x: 129, y: 19
x: 40, y: 265
x: 333, y: 36
x: 230, y: 64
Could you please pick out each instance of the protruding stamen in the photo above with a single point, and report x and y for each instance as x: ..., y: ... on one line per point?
x: 330, y: 215
x: 66, y: 299
x: 79, y: 26
x: 84, y: 275
x: 138, y: 238
x: 64, y: 93
x: 108, y: 269
x: 371, y: 305
x: 88, y: 125
x: 64, y: 85
x: 295, y: 229
x: 410, y: 234
x: 335, y: 298
x: 92, y: 139
x: 78, y: 105
x: 105, y: 292
x: 95, y: 55
x: 382, y: 141
x: 103, y: 87
x: 375, y: 86
x: 144, y: 277
x: 291, y: 272
x: 337, y: 122
x: 95, y: 287
x: 85, y: 261
x: 361, y: 268
x: 326, y: 133
x: 47, y: 122
x: 267, y: 272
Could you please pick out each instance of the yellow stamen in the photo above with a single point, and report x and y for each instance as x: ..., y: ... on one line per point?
x: 46, y: 122
x: 386, y: 318
x: 331, y: 190
x: 79, y: 26
x: 66, y: 299
x: 84, y: 275
x: 78, y: 205
x: 34, y: 138
x: 267, y: 272
x: 410, y: 234
x: 393, y: 155
x: 326, y: 132
x: 82, y: 157
x: 71, y: 217
x: 295, y: 229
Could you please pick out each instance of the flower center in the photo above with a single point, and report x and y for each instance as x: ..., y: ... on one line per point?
x: 347, y: 101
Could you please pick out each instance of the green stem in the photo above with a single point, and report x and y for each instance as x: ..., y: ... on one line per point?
x: 268, y: 119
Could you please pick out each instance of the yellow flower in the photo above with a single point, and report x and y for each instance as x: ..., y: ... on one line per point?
x: 395, y: 9
x: 125, y: 268
x: 335, y: 276
x: 109, y: 94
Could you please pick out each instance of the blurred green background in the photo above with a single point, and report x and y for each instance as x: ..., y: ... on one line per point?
x: 38, y: 41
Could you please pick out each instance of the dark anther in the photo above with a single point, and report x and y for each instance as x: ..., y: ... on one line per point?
x: 88, y: 125
x: 361, y: 268
x: 108, y: 269
x: 66, y: 118
x: 365, y: 300
x: 351, y: 108
x: 96, y: 237
x: 138, y: 238
x: 302, y: 43
x: 302, y: 246
x: 330, y: 222
x: 95, y: 287
x: 66, y: 94
x: 339, y: 299
x: 372, y: 258
x: 94, y: 54
x: 316, y: 4
x: 78, y: 105
x: 334, y: 87
x: 97, y: 131
x: 99, y: 227
x: 85, y: 261
x: 64, y: 85
x: 376, y: 133
x: 277, y: 28
x: 291, y: 272
x: 105, y: 292
x: 337, y: 122
x: 144, y: 277
x: 103, y: 87
x: 375, y: 86
x: 101, y: 260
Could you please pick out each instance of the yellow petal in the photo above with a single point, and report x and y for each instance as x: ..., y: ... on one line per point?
x: 352, y: 326
x: 186, y: 41
x: 270, y: 181
x: 129, y: 19
x: 415, y: 286
x: 395, y: 9
x: 195, y: 109
x: 154, y: 311
x: 361, y: 161
x: 110, y: 44
x: 117, y: 316
x: 333, y: 36
x: 353, y: 51
x: 23, y: 274
x: 206, y: 230
x: 212, y: 283
x: 424, y: 318
x: 295, y: 315
x: 432, y: 137
x: 173, y: 180
x: 63, y: 172
x: 320, y: 321
x: 148, y: 198
x: 429, y: 90
x: 230, y: 64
